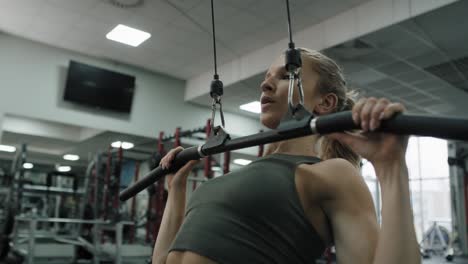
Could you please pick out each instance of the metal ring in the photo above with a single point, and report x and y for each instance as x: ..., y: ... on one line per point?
x: 313, y: 125
x: 200, y: 152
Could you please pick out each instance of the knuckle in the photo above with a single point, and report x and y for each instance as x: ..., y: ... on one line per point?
x: 396, y: 106
x: 376, y: 112
x: 384, y: 100
x: 365, y: 114
x: 400, y: 105
x: 360, y: 102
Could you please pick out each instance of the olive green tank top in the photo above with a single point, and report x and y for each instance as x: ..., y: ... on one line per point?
x: 251, y: 215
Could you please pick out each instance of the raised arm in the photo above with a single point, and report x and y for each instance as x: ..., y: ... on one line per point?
x: 397, y: 234
x: 397, y: 238
x: 174, y: 210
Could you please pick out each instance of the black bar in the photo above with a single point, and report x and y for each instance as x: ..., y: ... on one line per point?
x: 419, y: 125
x: 288, y: 130
x: 179, y: 161
x: 442, y: 127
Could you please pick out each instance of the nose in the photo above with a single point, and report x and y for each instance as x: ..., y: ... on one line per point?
x: 267, y: 85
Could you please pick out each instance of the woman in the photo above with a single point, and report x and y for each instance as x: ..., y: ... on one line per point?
x: 287, y: 206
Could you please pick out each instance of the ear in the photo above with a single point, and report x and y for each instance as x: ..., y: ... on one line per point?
x: 326, y: 104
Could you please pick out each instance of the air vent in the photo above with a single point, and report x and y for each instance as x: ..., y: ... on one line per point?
x: 454, y: 72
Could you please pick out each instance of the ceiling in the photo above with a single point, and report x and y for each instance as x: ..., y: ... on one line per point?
x: 421, y: 62
x: 181, y: 43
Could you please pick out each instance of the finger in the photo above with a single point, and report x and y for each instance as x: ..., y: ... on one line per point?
x: 376, y: 112
x: 171, y: 155
x: 185, y: 170
x: 167, y: 160
x: 357, y: 109
x: 391, y: 110
x: 366, y: 113
x: 162, y: 161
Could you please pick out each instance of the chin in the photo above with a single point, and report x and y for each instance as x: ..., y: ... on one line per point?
x: 270, y: 120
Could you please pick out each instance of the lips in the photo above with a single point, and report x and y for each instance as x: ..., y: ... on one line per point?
x: 266, y: 100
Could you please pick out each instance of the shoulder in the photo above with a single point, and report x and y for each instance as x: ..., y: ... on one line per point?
x: 337, y: 166
x: 333, y: 170
x: 335, y: 176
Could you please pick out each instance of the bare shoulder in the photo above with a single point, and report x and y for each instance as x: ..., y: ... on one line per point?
x: 332, y: 167
x: 347, y: 203
x: 335, y: 176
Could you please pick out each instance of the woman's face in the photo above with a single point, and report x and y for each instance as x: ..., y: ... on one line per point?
x: 274, y: 98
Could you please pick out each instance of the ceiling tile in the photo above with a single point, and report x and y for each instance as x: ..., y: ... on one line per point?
x: 244, y: 4
x: 80, y: 6
x: 185, y: 4
x: 366, y: 76
x: 384, y: 84
x: 412, y: 76
x: 432, y: 84
x: 375, y: 59
x: 396, y: 68
x: 240, y: 23
x: 109, y: 13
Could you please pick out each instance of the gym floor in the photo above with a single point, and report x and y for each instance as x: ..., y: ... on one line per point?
x: 438, y: 260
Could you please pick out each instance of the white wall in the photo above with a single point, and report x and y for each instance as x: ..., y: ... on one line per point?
x: 32, y: 78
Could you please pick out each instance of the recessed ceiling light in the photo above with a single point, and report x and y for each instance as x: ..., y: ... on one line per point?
x: 71, y: 157
x: 7, y: 148
x: 128, y: 35
x: 253, y: 107
x: 127, y: 145
x: 124, y: 145
x: 116, y: 144
x: 242, y: 162
x: 64, y: 168
x: 28, y: 165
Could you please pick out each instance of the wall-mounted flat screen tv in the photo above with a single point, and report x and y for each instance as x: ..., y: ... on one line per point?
x: 99, y: 88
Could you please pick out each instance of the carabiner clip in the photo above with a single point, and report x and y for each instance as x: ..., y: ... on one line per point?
x: 293, y: 75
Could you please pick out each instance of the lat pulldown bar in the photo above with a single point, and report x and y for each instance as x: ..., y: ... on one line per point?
x: 405, y: 124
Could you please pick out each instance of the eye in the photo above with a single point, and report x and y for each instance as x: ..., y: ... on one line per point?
x: 285, y: 77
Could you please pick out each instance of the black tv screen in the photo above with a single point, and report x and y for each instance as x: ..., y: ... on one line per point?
x: 99, y: 88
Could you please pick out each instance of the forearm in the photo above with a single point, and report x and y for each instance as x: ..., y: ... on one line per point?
x: 172, y: 220
x: 397, y: 241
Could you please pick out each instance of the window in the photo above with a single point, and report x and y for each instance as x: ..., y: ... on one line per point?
x: 429, y: 183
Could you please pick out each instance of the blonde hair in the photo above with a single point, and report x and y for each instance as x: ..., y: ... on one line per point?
x: 331, y: 80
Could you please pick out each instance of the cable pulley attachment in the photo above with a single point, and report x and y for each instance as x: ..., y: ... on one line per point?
x: 216, y: 87
x: 216, y: 92
x: 293, y: 65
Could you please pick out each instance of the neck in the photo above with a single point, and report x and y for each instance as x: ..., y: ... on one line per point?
x: 304, y: 146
